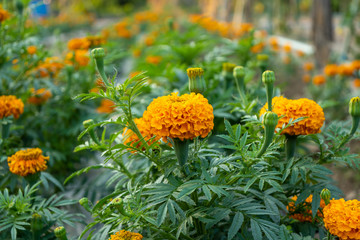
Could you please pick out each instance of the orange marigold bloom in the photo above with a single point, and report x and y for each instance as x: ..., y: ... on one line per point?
x: 273, y: 41
x: 31, y: 50
x: 149, y: 40
x: 184, y: 117
x: 122, y: 30
x: 95, y: 41
x: 257, y: 48
x: 287, y: 48
x: 300, y: 53
x: 153, y: 59
x: 126, y: 235
x: 356, y: 83
x: 308, y: 66
x: 294, y: 109
x: 81, y: 57
x: 10, y: 105
x: 342, y: 218
x: 345, y: 70
x: 79, y: 43
x: 51, y: 65
x: 319, y: 80
x: 133, y: 74
x: 107, y: 106
x: 3, y: 14
x: 356, y: 64
x: 136, y: 53
x: 144, y: 127
x: 331, y: 70
x: 29, y: 161
x: 39, y: 96
x: 306, y: 78
x: 302, y: 211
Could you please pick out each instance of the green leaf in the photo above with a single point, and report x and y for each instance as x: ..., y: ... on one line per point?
x: 207, y: 192
x: 255, y: 230
x: 235, y: 225
x: 161, y: 214
x: 251, y: 182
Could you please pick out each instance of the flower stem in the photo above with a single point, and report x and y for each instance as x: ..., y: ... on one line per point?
x: 269, y: 134
x: 290, y: 146
x: 181, y: 150
x: 355, y: 125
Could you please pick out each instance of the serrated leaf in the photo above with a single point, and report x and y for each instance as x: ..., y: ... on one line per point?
x: 235, y: 225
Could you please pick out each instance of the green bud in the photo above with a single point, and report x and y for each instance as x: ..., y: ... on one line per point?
x: 325, y: 195
x: 354, y: 107
x: 19, y: 6
x: 60, y: 232
x: 117, y: 202
x: 98, y: 53
x: 270, y: 119
x: 228, y: 67
x: 88, y: 123
x: 268, y: 77
x: 36, y: 223
x: 239, y: 72
x: 262, y: 57
x: 85, y: 203
x: 196, y: 80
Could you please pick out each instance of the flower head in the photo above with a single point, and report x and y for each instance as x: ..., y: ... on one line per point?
x: 287, y: 48
x: 144, y: 127
x: 184, y: 117
x: 3, y: 14
x: 345, y: 69
x: 356, y: 83
x: 39, y: 96
x: 29, y: 161
x: 356, y: 64
x: 10, y: 105
x: 79, y: 43
x: 319, y: 80
x: 302, y: 211
x: 122, y: 30
x: 153, y: 59
x: 107, y: 106
x: 50, y: 66
x: 126, y: 235
x: 306, y: 78
x: 331, y: 70
x: 31, y: 50
x: 308, y: 66
x: 81, y: 57
x: 293, y: 109
x: 341, y: 218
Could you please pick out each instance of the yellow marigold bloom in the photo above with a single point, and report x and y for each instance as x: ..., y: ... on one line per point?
x: 79, y: 43
x: 10, y: 105
x: 287, y: 48
x: 319, y: 80
x: 356, y: 83
x: 184, y: 117
x: 25, y: 162
x: 107, y: 106
x: 126, y: 235
x: 294, y: 109
x: 342, y: 218
x: 3, y: 14
x: 308, y: 66
x: 331, y: 70
x: 39, y: 96
x: 302, y: 211
x: 153, y: 59
x: 306, y: 78
x: 81, y: 57
x: 144, y: 128
x: 31, y: 50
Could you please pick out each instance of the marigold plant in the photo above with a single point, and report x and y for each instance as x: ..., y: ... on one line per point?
x: 126, y: 235
x: 26, y: 162
x: 341, y: 218
x: 293, y: 109
x: 131, y: 138
x: 184, y: 117
x: 10, y: 106
x: 302, y: 211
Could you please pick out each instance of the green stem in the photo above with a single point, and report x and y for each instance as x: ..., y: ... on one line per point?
x: 290, y: 146
x: 355, y: 125
x: 240, y: 85
x: 123, y: 167
x: 100, y: 68
x: 181, y: 150
x: 269, y: 95
x: 269, y: 134
x: 5, y: 131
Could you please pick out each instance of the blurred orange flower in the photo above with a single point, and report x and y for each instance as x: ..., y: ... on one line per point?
x: 356, y: 83
x: 319, y: 80
x: 331, y: 70
x: 287, y: 48
x: 79, y: 43
x: 153, y: 59
x: 31, y: 50
x: 81, y: 57
x: 306, y: 78
x: 3, y: 14
x: 107, y: 106
x: 39, y: 96
x: 308, y: 66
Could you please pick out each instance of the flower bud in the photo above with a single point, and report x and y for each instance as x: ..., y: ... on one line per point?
x: 98, y: 53
x: 85, y: 203
x: 36, y: 223
x: 19, y: 6
x: 117, y: 202
x: 88, y: 123
x: 262, y: 57
x: 325, y: 195
x: 268, y: 77
x: 239, y: 72
x: 196, y: 80
x: 354, y: 107
x: 60, y: 233
x: 228, y: 68
x: 270, y: 119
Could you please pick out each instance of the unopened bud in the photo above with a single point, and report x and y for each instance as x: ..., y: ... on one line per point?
x: 88, y: 123
x: 268, y: 77
x: 354, y: 107
x: 60, y: 233
x: 98, y: 53
x: 196, y: 80
x: 325, y: 195
x: 270, y: 119
x: 239, y: 72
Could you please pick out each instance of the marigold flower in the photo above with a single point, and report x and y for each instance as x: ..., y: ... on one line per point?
x: 293, y: 109
x: 345, y: 70
x: 306, y: 78
x: 79, y: 43
x: 81, y: 57
x: 29, y: 161
x: 341, y: 218
x: 331, y: 70
x: 149, y: 40
x: 126, y: 235
x: 95, y: 41
x: 51, y: 65
x: 144, y: 127
x: 122, y: 30
x: 308, y: 66
x: 145, y: 16
x: 107, y: 106
x: 31, y: 50
x: 3, y: 14
x: 136, y: 52
x: 184, y: 117
x: 319, y: 80
x: 10, y: 105
x: 287, y: 48
x: 356, y: 64
x: 356, y: 83
x: 257, y: 48
x: 39, y: 96
x: 302, y: 211
x: 153, y: 59
x: 300, y: 53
